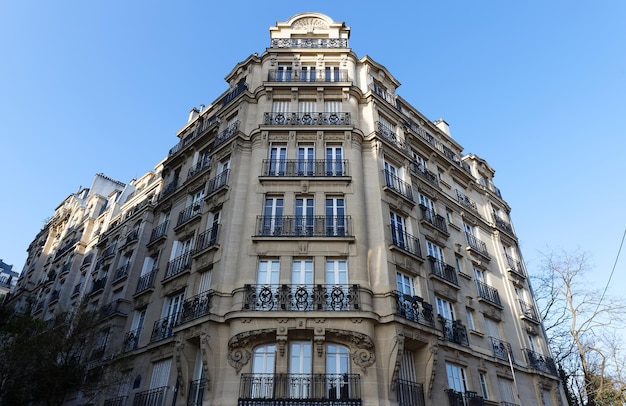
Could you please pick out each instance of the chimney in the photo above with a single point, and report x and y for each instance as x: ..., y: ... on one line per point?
x: 193, y: 114
x: 443, y: 126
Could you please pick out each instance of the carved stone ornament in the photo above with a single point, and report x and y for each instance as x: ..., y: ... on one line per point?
x: 240, y: 346
x: 399, y: 350
x: 205, y: 348
x: 361, y: 346
x: 309, y: 24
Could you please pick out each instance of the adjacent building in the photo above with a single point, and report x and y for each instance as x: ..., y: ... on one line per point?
x: 8, y: 278
x: 310, y: 239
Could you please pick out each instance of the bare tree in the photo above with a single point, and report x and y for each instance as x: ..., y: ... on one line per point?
x: 581, y: 324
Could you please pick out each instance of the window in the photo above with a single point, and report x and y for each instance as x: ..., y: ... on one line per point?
x: 306, y: 160
x: 456, y: 377
x: 335, y: 216
x: 269, y: 272
x: 546, y: 397
x: 300, y: 365
x: 302, y: 272
x: 307, y: 74
x: 337, y: 369
x: 430, y: 211
x: 160, y: 373
x: 280, y: 107
x: 506, y: 391
x: 213, y: 223
x: 333, y: 106
x: 483, y: 385
x: 398, y: 231
x: 459, y: 264
x: 304, y: 216
x: 283, y: 73
x: 405, y: 284
x: 205, y: 281
x: 170, y: 313
x: 420, y: 163
x: 331, y: 74
x: 470, y: 319
x: 263, y: 361
x: 278, y: 160
x: 334, y: 160
x: 273, y: 216
x: 308, y: 106
x: 445, y: 309
x: 434, y: 251
x: 336, y: 272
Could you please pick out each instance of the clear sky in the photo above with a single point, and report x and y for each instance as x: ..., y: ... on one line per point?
x: 537, y: 88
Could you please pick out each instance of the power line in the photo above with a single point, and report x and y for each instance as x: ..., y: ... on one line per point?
x: 612, y: 271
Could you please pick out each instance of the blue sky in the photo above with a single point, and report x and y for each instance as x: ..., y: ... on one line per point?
x: 537, y: 88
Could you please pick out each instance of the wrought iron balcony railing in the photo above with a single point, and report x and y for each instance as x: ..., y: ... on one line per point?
x: 414, y: 308
x: 476, y: 244
x: 116, y: 401
x: 218, y: 182
x: 465, y: 201
x: 454, y: 331
x: 308, y: 119
x: 146, y: 281
x: 305, y: 168
x: 121, y: 272
x: 189, y: 212
x: 488, y: 293
x: 178, y: 265
x: 300, y: 389
x: 501, y: 349
x: 198, y: 167
x: 163, y: 328
x: 131, y: 340
x: 207, y: 239
x: 230, y: 96
x: 464, y: 399
x: 398, y: 185
x: 529, y: 311
x: 405, y: 241
x: 421, y: 171
x: 301, y: 297
x: 109, y: 309
x: 225, y: 135
x: 151, y: 397
x: 433, y: 218
x: 98, y: 284
x: 307, y: 75
x: 159, y: 231
x: 301, y: 226
x: 502, y: 224
x: 309, y: 43
x: 410, y: 393
x: 515, y: 265
x: 443, y: 270
x: 195, y: 307
x: 169, y: 188
x: 196, y: 392
x: 540, y: 362
x: 389, y: 134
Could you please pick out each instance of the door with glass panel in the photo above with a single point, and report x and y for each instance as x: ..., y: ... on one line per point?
x: 337, y: 372
x: 273, y: 216
x: 335, y: 217
x: 301, y: 295
x: 306, y: 160
x: 398, y: 236
x: 267, y: 283
x: 300, y: 368
x: 334, y: 161
x: 262, y: 380
x: 159, y: 380
x: 337, y: 293
x: 278, y: 160
x: 304, y: 225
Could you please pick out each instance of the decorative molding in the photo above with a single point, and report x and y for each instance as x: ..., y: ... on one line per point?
x: 309, y: 24
x: 240, y: 346
x: 361, y: 347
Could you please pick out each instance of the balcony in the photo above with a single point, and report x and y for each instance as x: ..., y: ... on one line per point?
x: 301, y: 226
x: 454, y: 331
x: 194, y: 307
x: 421, y: 171
x: 146, y: 281
x: 301, y: 297
x: 434, y: 219
x: 198, y: 167
x: 300, y: 389
x: 98, y: 284
x: 218, y: 182
x: 415, y: 309
x: 443, y: 270
x: 389, y: 135
x: 121, y: 272
x: 110, y: 309
x: 131, y: 340
x: 309, y: 43
x: 207, y: 239
x: 159, y: 231
x: 466, y: 201
x: 406, y: 241
x: 464, y: 399
x: 192, y: 211
x: 116, y: 401
x: 410, y: 393
x: 501, y: 349
x: 305, y: 168
x: 305, y: 75
x: 133, y: 235
x: 151, y: 397
x: 515, y: 266
x: 502, y: 224
x: 163, y: 328
x: 529, y: 311
x: 398, y: 185
x: 230, y: 96
x: 225, y: 135
x: 109, y: 251
x: 488, y: 293
x: 178, y: 265
x: 307, y: 119
x: 477, y: 245
x: 196, y: 392
x: 540, y: 362
x: 169, y: 188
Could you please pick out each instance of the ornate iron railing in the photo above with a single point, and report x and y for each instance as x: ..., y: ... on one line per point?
x: 433, y: 218
x: 540, y: 362
x: 443, y: 270
x: 199, y: 166
x: 146, y: 281
x: 390, y: 135
x: 305, y: 168
x: 218, y: 182
x: 159, y: 231
x: 476, y: 243
x: 131, y: 340
x: 169, y: 188
x: 464, y: 399
x: 515, y: 265
x: 398, y: 185
x: 207, y: 239
x: 307, y: 75
x: 189, y: 212
x: 454, y: 331
x: 301, y: 297
x: 502, y: 224
x: 99, y: 284
x: 465, y: 201
x: 403, y: 240
x: 488, y: 293
x: 230, y: 96
x: 424, y: 173
x: 121, y: 272
x: 501, y: 349
x: 414, y: 308
x: 304, y: 226
x: 151, y: 397
x: 324, y: 118
x: 225, y: 135
x: 178, y: 265
x: 196, y: 392
x: 410, y: 393
x: 300, y: 389
x: 309, y: 43
x: 194, y: 307
x: 529, y: 311
x: 163, y: 328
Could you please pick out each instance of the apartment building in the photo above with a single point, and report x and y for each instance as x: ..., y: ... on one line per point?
x: 310, y: 239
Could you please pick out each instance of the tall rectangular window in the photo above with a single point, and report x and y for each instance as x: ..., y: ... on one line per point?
x: 273, y: 216
x: 160, y: 373
x: 483, y: 385
x: 278, y: 160
x: 456, y: 377
x: 334, y: 160
x: 306, y: 159
x: 398, y: 230
x: 335, y: 216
